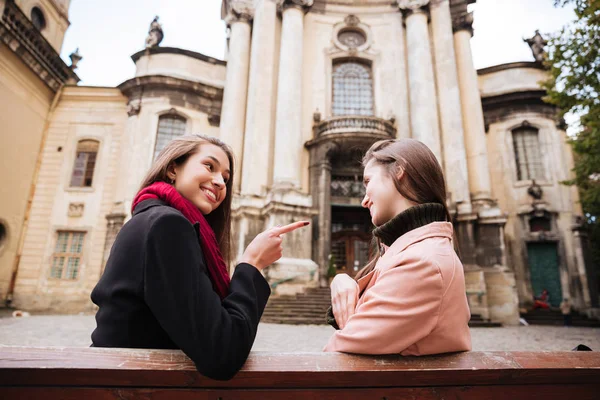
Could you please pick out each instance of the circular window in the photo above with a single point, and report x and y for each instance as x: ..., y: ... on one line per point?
x: 38, y: 19
x: 352, y: 38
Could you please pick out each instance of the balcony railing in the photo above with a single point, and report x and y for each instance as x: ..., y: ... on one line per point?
x: 355, y: 124
x: 43, y: 59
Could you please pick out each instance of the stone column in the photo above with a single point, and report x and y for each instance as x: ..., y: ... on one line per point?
x: 259, y: 133
x: 423, y: 104
x: 472, y: 111
x: 585, y: 269
x: 233, y: 115
x: 454, y: 153
x: 321, y: 183
x: 288, y: 125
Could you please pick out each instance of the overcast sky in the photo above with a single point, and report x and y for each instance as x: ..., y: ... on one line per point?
x: 108, y: 32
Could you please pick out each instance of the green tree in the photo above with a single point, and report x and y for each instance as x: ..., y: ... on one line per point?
x: 574, y: 86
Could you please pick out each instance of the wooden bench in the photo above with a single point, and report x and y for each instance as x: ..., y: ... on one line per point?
x: 95, y: 373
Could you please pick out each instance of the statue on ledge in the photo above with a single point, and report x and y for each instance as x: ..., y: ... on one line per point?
x: 537, y: 43
x: 155, y: 34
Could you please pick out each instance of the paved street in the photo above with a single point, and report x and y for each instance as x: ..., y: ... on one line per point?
x: 75, y: 330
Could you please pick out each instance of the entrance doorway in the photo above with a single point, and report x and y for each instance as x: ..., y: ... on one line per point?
x: 543, y: 266
x: 351, y: 229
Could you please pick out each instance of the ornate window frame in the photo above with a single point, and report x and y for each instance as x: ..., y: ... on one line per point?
x: 352, y: 23
x: 547, y: 180
x: 339, y: 52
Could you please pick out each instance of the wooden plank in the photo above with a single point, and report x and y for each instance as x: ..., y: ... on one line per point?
x: 167, y: 368
x: 527, y: 392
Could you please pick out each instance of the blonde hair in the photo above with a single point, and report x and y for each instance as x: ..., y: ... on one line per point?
x: 177, y: 152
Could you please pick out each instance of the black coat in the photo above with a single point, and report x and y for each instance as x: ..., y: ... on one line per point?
x: 156, y: 293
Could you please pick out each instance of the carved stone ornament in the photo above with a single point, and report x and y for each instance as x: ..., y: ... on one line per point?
x: 352, y: 20
x: 463, y: 22
x: 235, y: 10
x: 155, y: 34
x: 303, y: 4
x: 412, y: 5
x: 75, y: 210
x: 537, y: 43
x: 535, y: 191
x: 352, y: 38
x: 134, y: 108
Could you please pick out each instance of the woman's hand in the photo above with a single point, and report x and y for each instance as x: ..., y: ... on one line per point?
x: 344, y: 296
x: 266, y: 248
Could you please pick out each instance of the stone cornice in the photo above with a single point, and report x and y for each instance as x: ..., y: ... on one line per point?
x: 23, y: 39
x: 175, y: 50
x: 180, y: 92
x: 513, y: 65
x: 501, y: 107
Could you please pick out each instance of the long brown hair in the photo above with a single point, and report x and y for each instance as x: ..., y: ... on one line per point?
x: 422, y: 180
x: 177, y: 152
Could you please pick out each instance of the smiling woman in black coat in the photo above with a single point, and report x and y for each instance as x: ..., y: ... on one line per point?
x: 166, y: 284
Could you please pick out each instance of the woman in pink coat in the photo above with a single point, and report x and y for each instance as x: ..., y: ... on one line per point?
x: 410, y: 299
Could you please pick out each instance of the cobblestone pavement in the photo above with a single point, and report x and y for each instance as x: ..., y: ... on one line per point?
x: 75, y: 330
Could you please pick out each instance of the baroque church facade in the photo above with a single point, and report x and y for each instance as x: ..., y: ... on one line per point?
x: 306, y: 88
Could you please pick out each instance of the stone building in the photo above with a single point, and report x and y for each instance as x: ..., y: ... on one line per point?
x: 307, y: 87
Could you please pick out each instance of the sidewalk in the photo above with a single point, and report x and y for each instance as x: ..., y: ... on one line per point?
x: 75, y: 330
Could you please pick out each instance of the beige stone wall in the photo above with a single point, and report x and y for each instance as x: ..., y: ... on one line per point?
x: 56, y: 14
x: 82, y: 113
x: 183, y: 67
x: 141, y: 133
x: 513, y: 198
x: 387, y: 53
x: 24, y: 105
x: 511, y: 80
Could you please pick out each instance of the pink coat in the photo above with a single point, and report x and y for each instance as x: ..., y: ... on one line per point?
x: 414, y: 301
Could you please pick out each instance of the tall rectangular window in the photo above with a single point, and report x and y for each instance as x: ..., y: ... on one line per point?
x: 528, y: 157
x: 352, y: 88
x: 68, y: 252
x: 169, y: 127
x: 85, y: 163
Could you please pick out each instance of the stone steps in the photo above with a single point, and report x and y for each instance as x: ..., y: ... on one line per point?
x: 309, y: 308
x: 555, y: 318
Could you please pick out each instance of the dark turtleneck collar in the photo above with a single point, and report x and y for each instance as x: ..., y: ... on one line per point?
x: 409, y: 219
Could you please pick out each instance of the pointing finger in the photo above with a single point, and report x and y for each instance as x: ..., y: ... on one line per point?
x: 290, y: 227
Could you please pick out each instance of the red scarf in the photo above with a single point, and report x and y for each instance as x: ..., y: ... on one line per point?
x: 208, y: 242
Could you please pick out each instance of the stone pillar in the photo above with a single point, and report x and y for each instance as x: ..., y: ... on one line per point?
x: 472, y: 111
x: 320, y: 171
x: 288, y: 126
x: 448, y: 92
x: 423, y: 100
x: 487, y: 229
x: 259, y: 133
x: 233, y: 114
x: 585, y: 267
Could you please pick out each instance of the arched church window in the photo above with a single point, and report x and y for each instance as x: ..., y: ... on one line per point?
x: 38, y: 19
x: 85, y: 163
x: 352, y: 88
x: 169, y: 127
x: 528, y: 157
